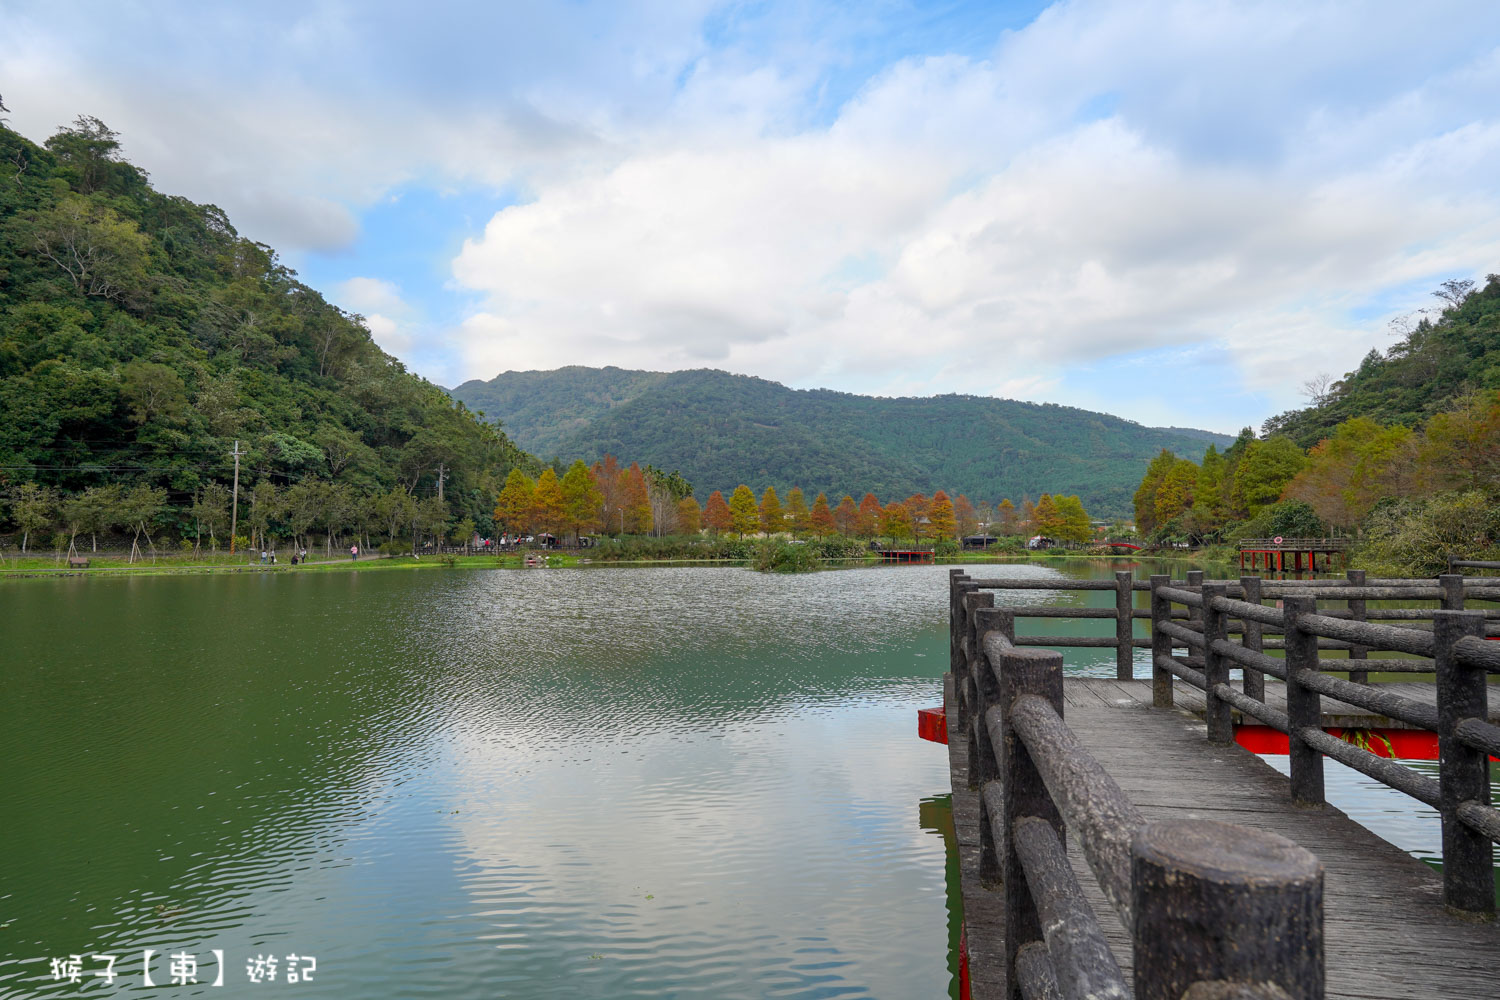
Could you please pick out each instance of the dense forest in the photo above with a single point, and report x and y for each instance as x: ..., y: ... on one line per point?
x: 1402, y: 454
x: 722, y: 430
x: 141, y: 337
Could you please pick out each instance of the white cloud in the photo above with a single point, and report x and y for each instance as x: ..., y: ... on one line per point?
x: 370, y: 295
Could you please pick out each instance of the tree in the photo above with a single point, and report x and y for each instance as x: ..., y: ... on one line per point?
x: 744, y: 514
x: 32, y: 505
x: 1145, y: 493
x: 966, y: 516
x: 138, y: 509
x: 772, y: 518
x: 1075, y: 525
x: 1208, y: 492
x: 940, y: 513
x: 820, y: 519
x: 210, y: 510
x: 1006, y: 511
x: 637, y: 501
x: 1460, y: 448
x: 1263, y: 473
x: 513, y: 505
x: 797, y: 514
x: 716, y: 514
x: 302, y: 505
x: 95, y: 508
x: 1175, y: 493
x: 607, y: 479
x: 917, y: 506
x: 581, y: 500
x: 393, y: 509
x: 688, y: 516
x: 89, y: 152
x: 432, y: 518
x: 895, y: 521
x: 1349, y: 472
x: 1454, y: 291
x: 265, y: 506
x: 846, y: 517
x: 103, y: 254
x: 1046, y: 520
x: 870, y: 513
x: 548, y: 511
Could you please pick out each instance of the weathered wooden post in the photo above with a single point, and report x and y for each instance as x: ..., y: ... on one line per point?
x: 1357, y: 611
x: 1024, y: 671
x: 1124, y: 626
x: 1254, y: 683
x: 1463, y: 772
x: 1194, y: 615
x: 1221, y: 904
x: 1161, y: 643
x: 973, y: 601
x: 1215, y: 667
x: 984, y: 765
x: 1304, y: 708
x: 954, y: 575
x: 1453, y: 591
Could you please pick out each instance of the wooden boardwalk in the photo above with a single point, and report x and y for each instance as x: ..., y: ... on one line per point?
x: 1387, y: 932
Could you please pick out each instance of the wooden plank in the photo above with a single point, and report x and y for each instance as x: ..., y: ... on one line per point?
x: 1387, y: 933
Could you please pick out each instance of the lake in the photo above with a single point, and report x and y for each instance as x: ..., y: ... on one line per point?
x: 613, y: 782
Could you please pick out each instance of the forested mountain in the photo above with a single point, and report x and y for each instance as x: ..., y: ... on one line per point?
x: 721, y: 430
x: 1428, y: 371
x: 141, y: 336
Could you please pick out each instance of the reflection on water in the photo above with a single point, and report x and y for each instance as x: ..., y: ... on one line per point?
x: 640, y: 782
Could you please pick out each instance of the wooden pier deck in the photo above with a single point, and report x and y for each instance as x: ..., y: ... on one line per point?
x: 1387, y: 932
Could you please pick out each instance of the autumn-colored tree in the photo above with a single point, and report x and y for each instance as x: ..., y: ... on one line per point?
x: 1145, y: 493
x: 916, y: 508
x: 1461, y: 448
x: 846, y: 517
x: 820, y: 519
x: 548, y: 511
x: 940, y: 514
x: 637, y: 501
x: 716, y: 514
x: 1046, y: 520
x: 1175, y: 494
x: 688, y: 515
x: 868, y: 521
x: 966, y: 516
x: 744, y: 514
x: 606, y: 476
x: 895, y: 521
x: 1348, y: 473
x: 513, y: 505
x: 772, y: 519
x: 1026, y: 520
x: 797, y: 514
x: 1006, y: 512
x: 581, y: 500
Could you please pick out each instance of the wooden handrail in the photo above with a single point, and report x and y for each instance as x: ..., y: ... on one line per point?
x: 1037, y: 781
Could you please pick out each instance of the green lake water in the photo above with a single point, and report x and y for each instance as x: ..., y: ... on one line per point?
x: 663, y: 782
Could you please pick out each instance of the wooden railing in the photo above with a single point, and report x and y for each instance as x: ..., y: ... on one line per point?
x: 1305, y: 544
x: 1454, y: 649
x: 1260, y: 892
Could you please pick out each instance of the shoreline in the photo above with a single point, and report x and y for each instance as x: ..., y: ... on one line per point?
x: 509, y: 561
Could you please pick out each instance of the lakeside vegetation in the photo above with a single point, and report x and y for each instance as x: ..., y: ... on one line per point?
x: 1402, y: 456
x: 143, y: 342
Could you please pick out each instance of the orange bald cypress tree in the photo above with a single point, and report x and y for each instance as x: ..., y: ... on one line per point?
x: 716, y: 514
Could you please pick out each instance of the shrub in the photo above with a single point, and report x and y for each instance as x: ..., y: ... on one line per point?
x: 785, y: 557
x: 1414, y: 536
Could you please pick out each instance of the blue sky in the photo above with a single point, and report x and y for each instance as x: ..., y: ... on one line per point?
x: 1174, y: 211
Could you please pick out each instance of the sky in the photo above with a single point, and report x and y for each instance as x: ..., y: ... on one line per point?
x: 1178, y: 212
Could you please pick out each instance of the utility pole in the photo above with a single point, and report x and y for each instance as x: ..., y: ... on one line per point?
x: 234, y: 518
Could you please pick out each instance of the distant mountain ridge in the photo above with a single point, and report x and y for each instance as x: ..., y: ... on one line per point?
x: 721, y: 429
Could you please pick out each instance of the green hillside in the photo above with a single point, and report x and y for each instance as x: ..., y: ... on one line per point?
x: 722, y: 430
x: 1427, y: 372
x: 141, y: 336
